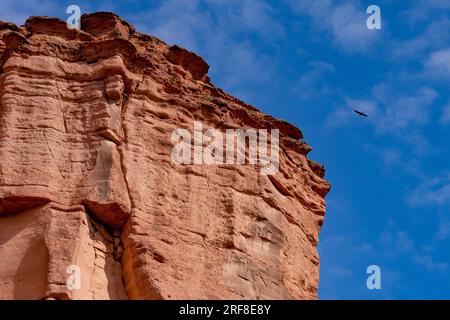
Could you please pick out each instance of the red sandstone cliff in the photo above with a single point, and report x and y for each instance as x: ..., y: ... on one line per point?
x: 86, y: 176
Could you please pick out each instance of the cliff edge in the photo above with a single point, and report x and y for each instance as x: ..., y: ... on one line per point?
x: 89, y: 188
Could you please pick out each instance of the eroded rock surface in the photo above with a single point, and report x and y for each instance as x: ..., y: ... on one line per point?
x: 86, y: 176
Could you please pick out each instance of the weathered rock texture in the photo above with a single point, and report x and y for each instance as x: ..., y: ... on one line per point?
x: 86, y: 176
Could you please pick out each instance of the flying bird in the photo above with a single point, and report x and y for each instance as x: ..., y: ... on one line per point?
x: 362, y: 114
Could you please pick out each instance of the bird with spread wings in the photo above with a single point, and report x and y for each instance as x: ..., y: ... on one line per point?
x: 362, y: 114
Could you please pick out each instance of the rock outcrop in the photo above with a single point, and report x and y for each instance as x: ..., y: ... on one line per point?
x: 87, y: 179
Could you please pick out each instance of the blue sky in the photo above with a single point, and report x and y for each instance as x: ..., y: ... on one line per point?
x: 310, y: 62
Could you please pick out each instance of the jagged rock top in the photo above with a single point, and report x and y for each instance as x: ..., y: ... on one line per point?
x: 104, y: 35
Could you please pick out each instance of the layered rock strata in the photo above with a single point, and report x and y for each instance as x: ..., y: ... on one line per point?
x: 87, y: 178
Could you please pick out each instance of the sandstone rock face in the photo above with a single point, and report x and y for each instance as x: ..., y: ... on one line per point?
x: 87, y: 179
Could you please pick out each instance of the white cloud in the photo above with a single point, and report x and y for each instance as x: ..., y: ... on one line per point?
x: 403, y: 111
x: 350, y: 30
x: 176, y: 22
x: 391, y: 156
x: 241, y: 64
x: 433, y: 191
x: 438, y: 64
x: 396, y: 241
x: 249, y: 15
x: 193, y: 24
x: 345, y: 22
x: 429, y: 264
x: 420, y: 10
x: 403, y: 242
x: 432, y: 38
x: 312, y: 83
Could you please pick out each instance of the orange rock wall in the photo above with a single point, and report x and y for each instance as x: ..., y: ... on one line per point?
x: 86, y: 176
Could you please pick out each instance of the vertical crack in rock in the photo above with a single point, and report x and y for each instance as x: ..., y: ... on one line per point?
x: 107, y: 256
x: 125, y: 137
x: 87, y: 179
x: 119, y: 251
